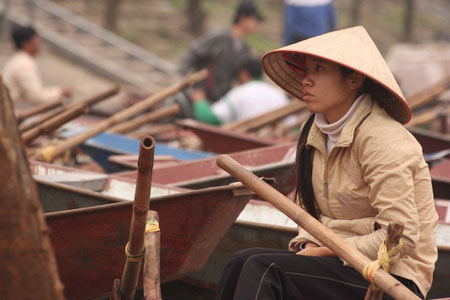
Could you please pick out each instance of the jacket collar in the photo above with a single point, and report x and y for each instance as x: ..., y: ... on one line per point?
x: 316, y: 138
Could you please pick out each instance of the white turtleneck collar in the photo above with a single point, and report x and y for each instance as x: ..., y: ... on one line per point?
x: 333, y: 131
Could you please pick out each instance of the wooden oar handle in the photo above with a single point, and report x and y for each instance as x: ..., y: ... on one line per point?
x: 351, y: 255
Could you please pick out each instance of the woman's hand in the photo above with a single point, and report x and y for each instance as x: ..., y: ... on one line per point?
x: 312, y: 249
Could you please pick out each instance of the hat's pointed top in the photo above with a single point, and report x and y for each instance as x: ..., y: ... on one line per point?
x: 352, y: 48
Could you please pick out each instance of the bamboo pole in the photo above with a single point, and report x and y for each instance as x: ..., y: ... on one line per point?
x: 351, y: 255
x: 423, y: 117
x: 265, y: 118
x: 50, y: 152
x: 88, y: 102
x: 151, y: 271
x: 37, y: 110
x: 155, y: 130
x: 97, y: 98
x: 135, y: 247
x: 53, y: 123
x: 28, y: 267
x: 43, y: 118
x: 428, y: 94
x: 154, y: 116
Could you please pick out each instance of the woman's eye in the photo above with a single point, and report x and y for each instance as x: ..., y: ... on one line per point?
x: 319, y: 68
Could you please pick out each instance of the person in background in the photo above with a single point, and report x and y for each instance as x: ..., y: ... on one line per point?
x: 304, y: 19
x: 223, y: 51
x: 21, y: 74
x: 250, y: 98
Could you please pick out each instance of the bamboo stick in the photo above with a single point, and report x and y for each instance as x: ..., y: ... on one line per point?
x: 265, y: 118
x: 135, y: 247
x: 154, y: 130
x: 37, y: 110
x: 351, y: 255
x: 427, y: 94
x: 27, y: 126
x: 154, y: 116
x: 53, y: 123
x: 151, y: 272
x: 97, y: 98
x: 90, y: 101
x: 423, y: 117
x: 49, y: 153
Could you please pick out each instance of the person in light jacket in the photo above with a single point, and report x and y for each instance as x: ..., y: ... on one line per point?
x: 21, y: 73
x: 358, y: 170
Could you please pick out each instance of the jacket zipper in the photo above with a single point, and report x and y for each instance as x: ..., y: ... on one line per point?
x: 325, y: 181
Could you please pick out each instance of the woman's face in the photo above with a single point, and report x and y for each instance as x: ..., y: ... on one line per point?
x: 327, y: 90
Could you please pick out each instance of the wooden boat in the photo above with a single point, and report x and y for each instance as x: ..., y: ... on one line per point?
x: 225, y: 141
x: 272, y: 162
x: 262, y: 225
x: 219, y: 140
x: 89, y: 229
x: 105, y: 144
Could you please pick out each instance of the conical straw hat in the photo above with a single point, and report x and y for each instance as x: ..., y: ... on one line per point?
x: 352, y: 48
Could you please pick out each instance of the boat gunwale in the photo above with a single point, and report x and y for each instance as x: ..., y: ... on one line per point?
x: 117, y: 202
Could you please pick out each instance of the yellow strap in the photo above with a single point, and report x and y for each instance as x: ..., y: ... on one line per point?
x: 385, y: 260
x: 133, y: 257
x: 151, y: 226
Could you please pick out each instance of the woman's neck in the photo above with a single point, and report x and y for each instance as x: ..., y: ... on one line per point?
x: 333, y: 130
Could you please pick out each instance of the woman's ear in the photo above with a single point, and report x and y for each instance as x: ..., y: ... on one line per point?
x: 356, y: 80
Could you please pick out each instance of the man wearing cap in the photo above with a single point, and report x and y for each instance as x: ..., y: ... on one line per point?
x: 358, y: 170
x: 222, y: 51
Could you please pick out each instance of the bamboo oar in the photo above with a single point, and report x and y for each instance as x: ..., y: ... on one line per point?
x: 53, y: 123
x: 90, y: 101
x: 351, y: 255
x: 49, y: 153
x: 135, y: 246
x: 155, y: 130
x: 266, y: 118
x: 37, y: 110
x: 428, y: 94
x: 151, y: 277
x: 97, y: 98
x: 154, y: 116
x: 41, y: 119
x: 423, y: 117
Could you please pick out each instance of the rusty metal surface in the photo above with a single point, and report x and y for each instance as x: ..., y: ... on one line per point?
x: 221, y: 141
x: 89, y: 242
x: 267, y: 162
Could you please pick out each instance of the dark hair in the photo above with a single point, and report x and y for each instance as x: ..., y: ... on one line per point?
x: 253, y: 67
x: 21, y: 35
x: 247, y: 9
x: 368, y: 86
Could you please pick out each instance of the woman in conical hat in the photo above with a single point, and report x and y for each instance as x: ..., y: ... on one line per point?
x: 358, y: 170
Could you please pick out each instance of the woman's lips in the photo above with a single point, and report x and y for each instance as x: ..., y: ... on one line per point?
x: 307, y: 96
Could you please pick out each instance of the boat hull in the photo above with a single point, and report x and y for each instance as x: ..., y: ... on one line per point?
x: 89, y: 242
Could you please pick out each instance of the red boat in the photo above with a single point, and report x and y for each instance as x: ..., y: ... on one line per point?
x: 275, y: 161
x: 89, y: 229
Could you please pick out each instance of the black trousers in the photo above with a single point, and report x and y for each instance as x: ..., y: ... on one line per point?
x: 263, y: 274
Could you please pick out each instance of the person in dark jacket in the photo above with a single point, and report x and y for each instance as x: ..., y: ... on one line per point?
x: 223, y: 51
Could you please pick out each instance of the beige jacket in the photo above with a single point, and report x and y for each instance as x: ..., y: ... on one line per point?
x: 376, y: 173
x: 21, y: 76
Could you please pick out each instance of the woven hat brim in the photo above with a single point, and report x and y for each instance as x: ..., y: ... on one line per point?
x: 338, y: 46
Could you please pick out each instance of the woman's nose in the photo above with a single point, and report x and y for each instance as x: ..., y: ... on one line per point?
x: 307, y: 80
